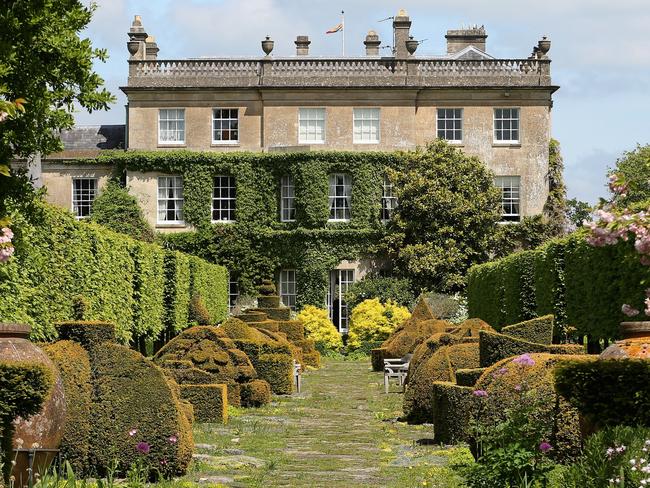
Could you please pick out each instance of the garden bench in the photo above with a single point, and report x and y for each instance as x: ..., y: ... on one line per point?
x: 297, y: 375
x: 396, y: 368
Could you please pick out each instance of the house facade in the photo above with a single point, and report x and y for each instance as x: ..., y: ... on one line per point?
x: 496, y: 109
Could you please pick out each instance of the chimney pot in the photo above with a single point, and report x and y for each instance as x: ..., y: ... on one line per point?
x: 401, y: 34
x: 459, y: 39
x: 302, y: 45
x: 372, y: 43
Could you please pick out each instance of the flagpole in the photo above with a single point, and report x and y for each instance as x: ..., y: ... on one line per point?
x: 343, y: 29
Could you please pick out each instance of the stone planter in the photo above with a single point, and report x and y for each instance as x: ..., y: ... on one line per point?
x: 133, y: 47
x: 635, y: 342
x: 44, y: 430
x: 544, y: 46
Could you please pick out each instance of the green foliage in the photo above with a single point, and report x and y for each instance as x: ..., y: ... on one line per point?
x: 255, y: 393
x: 372, y: 321
x: 447, y: 212
x: 383, y: 288
x: 539, y: 330
x: 468, y: 377
x: 529, y: 233
x: 74, y: 366
x: 43, y: 60
x: 210, y: 402
x: 120, y: 211
x: 578, y: 212
x: 277, y: 370
x: 581, y: 285
x: 125, y: 282
x: 607, y: 393
x: 198, y: 314
x: 320, y: 329
x: 79, y: 307
x: 23, y: 390
x: 607, y: 455
x: 451, y: 407
x: 555, y: 208
x: 634, y: 167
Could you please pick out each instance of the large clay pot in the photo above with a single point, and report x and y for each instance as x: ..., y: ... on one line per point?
x: 45, y: 429
x: 635, y: 342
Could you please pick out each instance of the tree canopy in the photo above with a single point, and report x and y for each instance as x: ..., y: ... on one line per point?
x: 634, y: 168
x: 44, y: 61
x: 447, y: 211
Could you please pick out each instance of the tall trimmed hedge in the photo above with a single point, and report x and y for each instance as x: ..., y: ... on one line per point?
x: 138, y: 286
x: 581, y: 285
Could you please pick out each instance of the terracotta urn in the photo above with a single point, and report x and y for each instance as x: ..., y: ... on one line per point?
x: 635, y: 342
x: 45, y: 429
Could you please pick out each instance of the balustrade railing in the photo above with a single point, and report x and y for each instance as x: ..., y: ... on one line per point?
x: 339, y: 72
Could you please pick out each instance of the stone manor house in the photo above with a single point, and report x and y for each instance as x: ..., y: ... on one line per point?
x: 389, y: 99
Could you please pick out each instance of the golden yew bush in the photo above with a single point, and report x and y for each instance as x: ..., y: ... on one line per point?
x: 372, y: 321
x: 320, y: 329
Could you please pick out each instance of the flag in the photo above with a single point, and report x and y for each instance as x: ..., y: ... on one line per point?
x: 335, y: 29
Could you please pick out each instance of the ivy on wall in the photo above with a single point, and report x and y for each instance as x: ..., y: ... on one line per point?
x: 258, y: 244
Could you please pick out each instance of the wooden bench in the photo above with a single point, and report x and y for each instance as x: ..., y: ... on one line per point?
x: 398, y: 369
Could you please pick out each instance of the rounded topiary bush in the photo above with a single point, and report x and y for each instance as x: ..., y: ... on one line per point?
x: 255, y: 393
x: 529, y: 379
x: 372, y: 321
x: 74, y: 366
x: 133, y: 404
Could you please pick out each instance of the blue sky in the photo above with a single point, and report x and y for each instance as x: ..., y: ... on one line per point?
x: 600, y: 51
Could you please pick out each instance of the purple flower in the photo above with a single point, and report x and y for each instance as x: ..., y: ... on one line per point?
x: 173, y: 439
x: 545, y: 447
x: 524, y: 360
x: 133, y: 432
x: 629, y: 311
x: 143, y: 447
x: 480, y: 393
x: 517, y: 387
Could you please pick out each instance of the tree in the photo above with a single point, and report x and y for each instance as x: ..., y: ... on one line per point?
x: 633, y: 167
x: 578, y: 212
x: 448, y: 209
x: 45, y: 62
x: 118, y: 210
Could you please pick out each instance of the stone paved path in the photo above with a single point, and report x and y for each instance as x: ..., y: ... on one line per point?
x: 341, y: 431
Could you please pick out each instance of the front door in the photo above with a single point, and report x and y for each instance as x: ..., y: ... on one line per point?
x: 340, y: 280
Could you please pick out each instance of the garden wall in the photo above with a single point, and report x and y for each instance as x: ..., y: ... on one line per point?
x: 582, y: 285
x: 140, y: 287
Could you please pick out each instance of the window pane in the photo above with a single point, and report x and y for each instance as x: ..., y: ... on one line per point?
x: 84, y: 191
x: 311, y: 125
x: 450, y: 124
x: 171, y: 125
x: 224, y: 195
x: 510, y: 197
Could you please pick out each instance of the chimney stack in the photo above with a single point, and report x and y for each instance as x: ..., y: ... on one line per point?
x: 457, y: 40
x: 151, y: 48
x: 372, y: 43
x: 302, y: 45
x: 137, y: 40
x: 401, y: 28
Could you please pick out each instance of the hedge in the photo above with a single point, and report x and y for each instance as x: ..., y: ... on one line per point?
x: 124, y: 281
x: 581, y: 285
x: 539, y: 330
x: 255, y: 393
x: 451, y: 412
x: 210, y: 402
x: 607, y: 392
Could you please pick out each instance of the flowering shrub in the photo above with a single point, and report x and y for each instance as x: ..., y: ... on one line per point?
x: 372, y: 321
x: 613, y: 457
x: 320, y: 328
x: 6, y: 247
x: 615, y: 225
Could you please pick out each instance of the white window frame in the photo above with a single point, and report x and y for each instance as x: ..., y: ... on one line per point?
x: 510, y: 120
x: 232, y: 187
x: 287, y: 199
x: 177, y: 198
x: 230, y: 142
x: 87, y: 196
x: 360, y: 117
x: 449, y: 118
x: 509, y: 181
x: 388, y: 200
x: 177, y: 141
x: 287, y: 287
x: 334, y: 198
x: 232, y: 297
x: 305, y: 114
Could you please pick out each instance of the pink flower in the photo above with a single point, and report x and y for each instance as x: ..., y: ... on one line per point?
x: 133, y: 432
x: 143, y: 447
x: 173, y: 439
x: 517, y: 387
x: 524, y: 360
x: 7, y: 232
x: 6, y: 253
x: 545, y: 447
x: 629, y: 311
x: 480, y: 393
